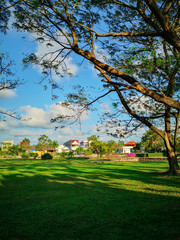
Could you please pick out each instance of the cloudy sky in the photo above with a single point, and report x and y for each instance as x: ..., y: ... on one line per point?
x: 36, y: 106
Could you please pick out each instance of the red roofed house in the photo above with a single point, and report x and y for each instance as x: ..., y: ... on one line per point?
x: 128, y: 147
x: 72, y: 144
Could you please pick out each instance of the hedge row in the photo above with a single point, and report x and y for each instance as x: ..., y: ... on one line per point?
x: 157, y: 154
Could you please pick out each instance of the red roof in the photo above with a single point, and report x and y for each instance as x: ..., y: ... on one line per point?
x: 131, y: 143
x: 31, y: 148
x: 72, y: 141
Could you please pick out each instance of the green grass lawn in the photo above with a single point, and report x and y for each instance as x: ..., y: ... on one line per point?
x: 87, y: 200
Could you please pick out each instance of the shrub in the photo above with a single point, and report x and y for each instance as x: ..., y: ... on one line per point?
x: 141, y: 154
x: 25, y: 155
x: 63, y: 154
x: 156, y: 154
x: 70, y: 154
x: 46, y: 156
x: 34, y: 155
x: 130, y: 155
x: 114, y: 155
x: 88, y: 152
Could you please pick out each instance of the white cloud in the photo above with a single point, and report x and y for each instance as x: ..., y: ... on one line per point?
x: 35, y: 117
x: 66, y: 64
x: 7, y: 93
x: 39, y: 118
x: 3, y: 126
x: 66, y: 131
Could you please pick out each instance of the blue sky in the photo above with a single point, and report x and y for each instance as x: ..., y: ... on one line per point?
x: 35, y: 104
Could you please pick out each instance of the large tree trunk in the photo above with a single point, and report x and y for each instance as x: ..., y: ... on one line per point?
x: 173, y: 164
x: 172, y: 158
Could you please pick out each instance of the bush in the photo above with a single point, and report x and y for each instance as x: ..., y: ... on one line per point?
x: 88, y: 152
x: 46, y: 156
x: 141, y: 154
x: 130, y: 155
x: 34, y: 155
x: 156, y: 154
x: 63, y: 154
x: 70, y: 154
x: 25, y: 155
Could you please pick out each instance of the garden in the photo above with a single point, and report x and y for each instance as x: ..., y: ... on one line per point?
x: 77, y: 199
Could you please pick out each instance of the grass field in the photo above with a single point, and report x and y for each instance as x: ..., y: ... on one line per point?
x: 87, y: 200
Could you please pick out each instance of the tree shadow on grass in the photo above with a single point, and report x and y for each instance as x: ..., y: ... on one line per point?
x: 74, y: 203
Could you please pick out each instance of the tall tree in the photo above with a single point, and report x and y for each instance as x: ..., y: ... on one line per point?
x: 45, y: 143
x: 134, y: 45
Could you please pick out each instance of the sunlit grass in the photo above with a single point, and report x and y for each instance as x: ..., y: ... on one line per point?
x: 84, y: 199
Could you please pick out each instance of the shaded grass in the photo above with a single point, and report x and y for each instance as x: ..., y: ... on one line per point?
x: 83, y: 199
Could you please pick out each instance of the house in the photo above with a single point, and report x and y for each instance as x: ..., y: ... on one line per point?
x: 84, y: 144
x: 72, y: 144
x: 62, y: 148
x: 6, y: 144
x: 128, y: 147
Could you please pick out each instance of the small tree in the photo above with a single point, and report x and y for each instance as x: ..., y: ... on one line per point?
x: 15, y: 150
x: 70, y: 154
x: 80, y: 150
x: 64, y: 154
x: 46, y: 156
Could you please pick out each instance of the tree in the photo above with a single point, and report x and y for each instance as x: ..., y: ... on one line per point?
x: 25, y: 144
x: 97, y: 146
x: 111, y: 146
x: 80, y: 150
x: 8, y: 81
x: 54, y: 144
x: 15, y: 150
x: 134, y: 45
x: 26, y: 140
x: 152, y: 142
x: 45, y: 143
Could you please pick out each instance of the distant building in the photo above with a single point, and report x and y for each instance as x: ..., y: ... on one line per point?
x: 72, y: 144
x: 6, y: 144
x: 62, y: 148
x: 84, y: 144
x: 128, y: 147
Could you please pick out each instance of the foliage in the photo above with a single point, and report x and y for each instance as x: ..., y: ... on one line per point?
x: 88, y: 152
x: 34, y: 155
x: 156, y: 154
x: 141, y: 154
x: 111, y: 146
x: 45, y: 143
x: 152, y: 142
x: 25, y: 155
x: 26, y: 140
x: 130, y: 155
x: 80, y: 150
x: 64, y: 154
x: 8, y: 79
x: 70, y: 154
x: 15, y: 150
x: 46, y: 156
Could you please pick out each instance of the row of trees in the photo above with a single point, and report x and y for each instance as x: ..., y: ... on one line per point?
x: 150, y: 142
x: 44, y: 144
x: 133, y: 45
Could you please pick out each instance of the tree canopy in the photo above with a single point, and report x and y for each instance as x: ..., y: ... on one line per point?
x: 133, y: 45
x: 45, y: 143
